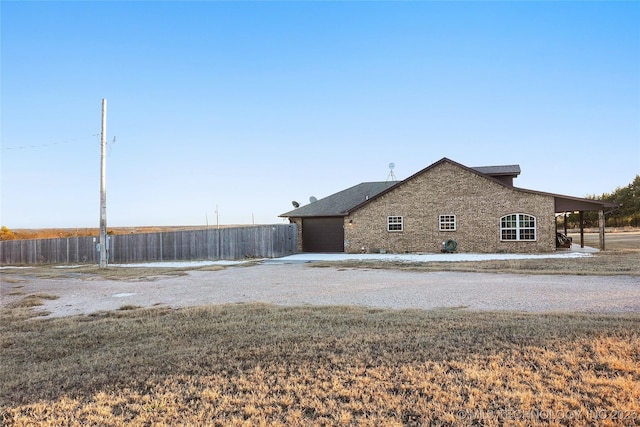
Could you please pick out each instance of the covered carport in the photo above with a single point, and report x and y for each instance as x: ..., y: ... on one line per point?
x: 566, y: 205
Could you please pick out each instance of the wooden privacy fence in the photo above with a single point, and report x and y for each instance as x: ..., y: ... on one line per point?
x: 262, y: 241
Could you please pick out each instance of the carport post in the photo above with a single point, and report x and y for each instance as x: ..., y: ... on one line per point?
x: 601, y: 224
x: 581, y: 216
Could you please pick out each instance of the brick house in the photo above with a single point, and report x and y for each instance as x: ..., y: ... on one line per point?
x: 469, y: 209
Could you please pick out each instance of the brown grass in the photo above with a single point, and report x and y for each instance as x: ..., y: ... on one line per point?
x: 93, y: 272
x: 263, y: 365
x: 33, y: 300
x: 622, y: 262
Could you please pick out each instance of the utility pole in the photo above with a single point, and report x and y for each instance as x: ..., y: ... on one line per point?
x: 103, y: 188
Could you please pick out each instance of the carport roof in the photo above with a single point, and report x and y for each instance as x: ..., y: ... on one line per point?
x: 571, y: 204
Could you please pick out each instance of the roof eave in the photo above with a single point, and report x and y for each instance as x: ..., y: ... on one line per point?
x: 285, y: 215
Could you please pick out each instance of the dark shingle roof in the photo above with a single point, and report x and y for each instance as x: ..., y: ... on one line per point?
x: 502, y: 170
x: 340, y: 203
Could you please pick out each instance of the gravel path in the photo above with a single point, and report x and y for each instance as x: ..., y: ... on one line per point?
x: 297, y: 283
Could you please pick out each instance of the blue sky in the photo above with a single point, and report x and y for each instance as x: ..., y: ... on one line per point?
x: 249, y: 105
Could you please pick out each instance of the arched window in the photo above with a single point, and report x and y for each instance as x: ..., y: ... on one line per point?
x: 518, y: 227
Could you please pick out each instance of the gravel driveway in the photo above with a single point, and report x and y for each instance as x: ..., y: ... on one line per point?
x: 298, y: 283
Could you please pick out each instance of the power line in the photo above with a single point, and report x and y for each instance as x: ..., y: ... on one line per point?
x: 50, y: 144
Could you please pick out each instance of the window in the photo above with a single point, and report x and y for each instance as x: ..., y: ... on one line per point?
x: 518, y: 227
x: 394, y: 223
x: 447, y: 223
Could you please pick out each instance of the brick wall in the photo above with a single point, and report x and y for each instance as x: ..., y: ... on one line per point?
x: 447, y: 189
x: 298, y: 223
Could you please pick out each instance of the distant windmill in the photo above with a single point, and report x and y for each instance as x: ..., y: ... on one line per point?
x: 391, y: 176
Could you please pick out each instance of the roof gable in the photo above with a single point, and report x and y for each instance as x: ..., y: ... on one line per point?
x: 428, y: 168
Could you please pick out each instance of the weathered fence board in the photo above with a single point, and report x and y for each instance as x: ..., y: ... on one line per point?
x: 262, y: 241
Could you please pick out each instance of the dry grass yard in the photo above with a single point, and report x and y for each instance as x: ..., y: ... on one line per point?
x: 259, y: 364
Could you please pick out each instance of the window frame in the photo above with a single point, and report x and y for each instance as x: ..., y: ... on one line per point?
x: 395, y: 221
x: 521, y: 226
x: 447, y: 222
